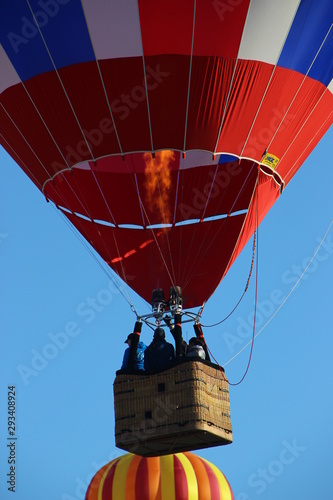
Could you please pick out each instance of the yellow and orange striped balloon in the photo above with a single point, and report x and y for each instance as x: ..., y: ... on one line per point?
x: 182, y: 476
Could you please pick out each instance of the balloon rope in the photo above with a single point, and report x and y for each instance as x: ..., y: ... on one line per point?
x: 308, y: 145
x: 145, y: 81
x: 81, y: 200
x: 246, y: 286
x: 300, y: 86
x: 267, y: 86
x: 292, y: 101
x: 13, y: 152
x: 80, y: 127
x: 226, y: 102
x: 255, y: 309
x: 25, y: 140
x: 172, y: 271
x: 155, y: 239
x: 217, y: 363
x: 123, y: 274
x: 108, y: 102
x: 189, y: 76
x: 265, y: 92
x: 204, y: 246
x: 106, y: 270
x: 63, y: 88
x: 286, y: 298
x: 252, y: 260
x: 255, y: 304
x: 74, y: 114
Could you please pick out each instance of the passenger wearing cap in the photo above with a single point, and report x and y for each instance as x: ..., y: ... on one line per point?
x: 159, y: 353
x: 139, y: 360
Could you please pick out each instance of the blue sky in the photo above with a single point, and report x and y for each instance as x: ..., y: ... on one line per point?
x: 52, y: 288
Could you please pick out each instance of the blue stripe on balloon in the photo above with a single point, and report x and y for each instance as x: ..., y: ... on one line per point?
x: 312, y: 22
x: 63, y: 27
x: 227, y: 159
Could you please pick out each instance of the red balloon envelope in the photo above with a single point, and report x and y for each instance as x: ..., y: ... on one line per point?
x: 162, y: 130
x: 182, y: 476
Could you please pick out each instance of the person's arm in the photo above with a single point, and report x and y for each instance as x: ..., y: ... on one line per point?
x: 199, y: 333
x: 201, y: 353
x: 134, y: 345
x: 172, y: 352
x: 125, y: 359
x: 139, y: 363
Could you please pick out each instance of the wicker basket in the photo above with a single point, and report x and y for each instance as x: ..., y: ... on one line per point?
x: 180, y: 409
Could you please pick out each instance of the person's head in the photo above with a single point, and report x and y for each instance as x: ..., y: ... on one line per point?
x: 194, y: 341
x: 129, y: 339
x: 159, y: 334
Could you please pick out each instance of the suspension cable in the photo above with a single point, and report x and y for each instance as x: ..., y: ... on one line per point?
x: 246, y: 286
x: 95, y: 257
x: 255, y: 308
x: 252, y: 262
x: 286, y: 298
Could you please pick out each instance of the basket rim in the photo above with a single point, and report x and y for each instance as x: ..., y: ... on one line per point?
x: 175, y: 362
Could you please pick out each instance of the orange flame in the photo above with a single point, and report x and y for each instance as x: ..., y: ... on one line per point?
x: 158, y: 182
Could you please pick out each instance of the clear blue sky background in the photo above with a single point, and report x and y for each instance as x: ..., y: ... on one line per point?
x: 281, y: 413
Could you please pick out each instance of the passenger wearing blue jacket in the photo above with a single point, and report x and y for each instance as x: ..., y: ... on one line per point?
x: 139, y: 360
x: 159, y: 353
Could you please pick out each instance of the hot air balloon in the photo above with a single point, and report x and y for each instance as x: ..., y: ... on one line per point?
x: 161, y: 130
x: 182, y: 476
x: 165, y: 131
